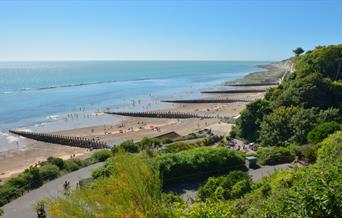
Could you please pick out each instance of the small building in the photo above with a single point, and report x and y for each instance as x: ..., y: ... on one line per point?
x: 251, y: 162
x: 169, y: 135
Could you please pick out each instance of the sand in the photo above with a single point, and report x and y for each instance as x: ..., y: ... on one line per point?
x: 15, y: 161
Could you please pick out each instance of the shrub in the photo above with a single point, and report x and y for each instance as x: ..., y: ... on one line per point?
x: 147, y: 143
x: 198, y: 163
x: 308, y: 151
x: 274, y: 155
x: 128, y: 146
x: 33, y: 177
x: 56, y: 161
x: 49, y: 171
x: 250, y: 119
x: 102, y: 155
x: 71, y: 165
x: 233, y: 185
x: 322, y: 131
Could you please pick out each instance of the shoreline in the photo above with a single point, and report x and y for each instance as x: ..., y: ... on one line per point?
x: 127, y: 128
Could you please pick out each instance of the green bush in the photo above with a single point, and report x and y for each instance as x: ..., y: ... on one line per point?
x: 322, y: 131
x: 198, y: 163
x: 33, y: 177
x: 49, y: 171
x: 128, y: 146
x: 274, y: 155
x: 56, y: 161
x: 231, y: 186
x: 250, y: 119
x: 102, y: 155
x: 147, y: 143
x: 71, y: 165
x: 308, y: 152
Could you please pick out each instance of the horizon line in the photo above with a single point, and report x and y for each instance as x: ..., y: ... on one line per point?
x: 71, y: 60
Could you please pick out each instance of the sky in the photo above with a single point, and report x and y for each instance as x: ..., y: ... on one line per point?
x: 165, y: 30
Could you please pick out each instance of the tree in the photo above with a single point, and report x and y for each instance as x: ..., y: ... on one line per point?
x: 249, y: 122
x: 298, y: 51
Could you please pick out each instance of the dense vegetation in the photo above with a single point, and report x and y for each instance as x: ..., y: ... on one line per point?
x: 198, y: 163
x: 35, y: 176
x: 306, y: 98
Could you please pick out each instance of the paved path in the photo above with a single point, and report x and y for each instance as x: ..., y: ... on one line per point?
x: 266, y: 170
x: 23, y: 207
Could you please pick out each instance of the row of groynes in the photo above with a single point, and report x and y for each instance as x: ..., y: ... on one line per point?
x: 234, y: 91
x: 253, y: 84
x: 201, y: 101
x: 169, y: 115
x: 72, y: 141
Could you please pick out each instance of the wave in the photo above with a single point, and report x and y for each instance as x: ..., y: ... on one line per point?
x: 75, y: 85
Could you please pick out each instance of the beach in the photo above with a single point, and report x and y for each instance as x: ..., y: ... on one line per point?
x: 119, y: 129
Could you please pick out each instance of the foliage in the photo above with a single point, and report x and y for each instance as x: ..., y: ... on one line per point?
x: 181, y: 146
x: 49, y: 171
x: 298, y: 51
x: 148, y: 143
x: 274, y: 155
x: 233, y: 185
x: 133, y: 190
x: 102, y: 155
x: 308, y: 152
x: 288, y: 125
x: 59, y: 162
x: 250, y: 119
x: 128, y: 146
x: 322, y: 131
x: 331, y: 149
x: 198, y: 163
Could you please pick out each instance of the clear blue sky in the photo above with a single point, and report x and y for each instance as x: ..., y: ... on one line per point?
x: 203, y: 30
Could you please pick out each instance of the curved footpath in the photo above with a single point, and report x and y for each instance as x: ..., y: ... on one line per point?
x: 23, y: 207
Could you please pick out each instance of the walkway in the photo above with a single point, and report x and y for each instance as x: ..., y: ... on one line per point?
x: 23, y: 207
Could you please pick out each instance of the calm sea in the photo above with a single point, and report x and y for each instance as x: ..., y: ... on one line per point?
x: 35, y: 94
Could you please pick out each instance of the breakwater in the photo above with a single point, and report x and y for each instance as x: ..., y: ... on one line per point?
x: 201, y: 101
x: 172, y: 115
x: 234, y: 91
x: 62, y: 140
x: 253, y: 84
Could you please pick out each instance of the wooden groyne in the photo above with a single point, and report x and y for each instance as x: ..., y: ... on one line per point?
x: 167, y: 115
x: 234, y: 91
x: 253, y: 84
x: 202, y: 101
x: 62, y: 140
x: 172, y: 115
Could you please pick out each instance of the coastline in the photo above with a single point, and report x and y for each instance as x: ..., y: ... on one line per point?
x: 15, y: 161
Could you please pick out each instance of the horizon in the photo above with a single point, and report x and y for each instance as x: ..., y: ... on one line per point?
x: 165, y: 31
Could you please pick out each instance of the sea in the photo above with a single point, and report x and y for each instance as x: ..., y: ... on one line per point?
x: 60, y: 95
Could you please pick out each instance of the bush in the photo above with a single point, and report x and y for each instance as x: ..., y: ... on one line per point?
x: 33, y: 177
x: 322, y: 131
x: 102, y: 155
x: 71, y: 165
x: 308, y: 152
x: 198, y: 163
x: 56, y: 161
x: 147, y: 143
x: 274, y: 155
x: 330, y: 150
x: 233, y: 185
x: 250, y: 119
x: 128, y: 146
x: 49, y: 171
